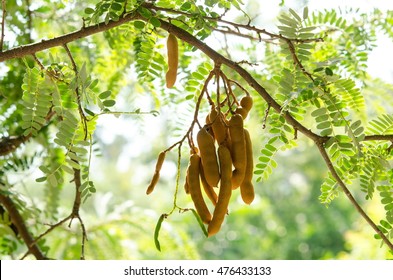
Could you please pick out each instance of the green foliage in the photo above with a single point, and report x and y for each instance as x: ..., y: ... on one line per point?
x: 381, y: 125
x: 149, y: 62
x: 386, y: 194
x: 36, y: 102
x: 107, y: 10
x: 355, y: 38
x: 329, y: 190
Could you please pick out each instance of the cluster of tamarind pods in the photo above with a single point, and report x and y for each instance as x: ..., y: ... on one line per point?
x: 222, y: 160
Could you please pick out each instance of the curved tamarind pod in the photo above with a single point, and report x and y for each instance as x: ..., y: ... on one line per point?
x: 156, y: 176
x: 238, y: 149
x: 173, y: 60
x: 195, y: 189
x: 218, y: 125
x: 153, y: 182
x: 225, y: 192
x: 209, y: 190
x: 246, y: 187
x: 246, y: 102
x: 208, y: 156
x: 241, y: 111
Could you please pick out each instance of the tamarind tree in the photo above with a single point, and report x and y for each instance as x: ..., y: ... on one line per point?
x: 65, y: 64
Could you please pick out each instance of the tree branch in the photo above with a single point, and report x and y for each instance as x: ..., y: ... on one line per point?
x: 220, y: 59
x: 388, y: 137
x: 30, y: 49
x: 20, y: 224
x: 10, y: 144
x: 335, y: 175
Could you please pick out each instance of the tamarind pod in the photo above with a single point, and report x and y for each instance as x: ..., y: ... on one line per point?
x: 160, y: 161
x: 246, y: 102
x: 153, y: 182
x: 246, y: 187
x: 209, y: 190
x: 156, y: 176
x: 241, y: 111
x: 195, y: 189
x: 208, y: 156
x: 186, y: 187
x: 238, y: 149
x: 219, y: 128
x: 225, y: 192
x: 173, y: 60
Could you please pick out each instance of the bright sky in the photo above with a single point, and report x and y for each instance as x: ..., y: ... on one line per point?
x: 377, y: 59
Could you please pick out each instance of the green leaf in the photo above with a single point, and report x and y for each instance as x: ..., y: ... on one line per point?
x: 157, y: 231
x: 109, y: 103
x: 328, y: 71
x: 305, y: 12
x: 116, y: 6
x: 67, y: 169
x: 91, y: 113
x: 295, y: 15
x: 89, y: 11
x: 52, y: 180
x: 145, y: 12
x: 41, y: 179
x: 105, y: 94
x: 139, y: 24
x: 155, y: 22
x: 186, y: 6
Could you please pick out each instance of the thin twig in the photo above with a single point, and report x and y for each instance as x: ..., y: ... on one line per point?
x: 78, y: 95
x: 29, y: 21
x: 3, y: 5
x: 19, y: 222
x: 52, y: 227
x: 237, y: 26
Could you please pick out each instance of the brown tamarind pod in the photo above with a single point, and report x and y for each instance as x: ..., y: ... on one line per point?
x: 218, y: 125
x: 208, y: 156
x: 156, y: 176
x: 241, y: 111
x: 209, y: 190
x: 246, y: 102
x: 160, y: 161
x: 173, y: 60
x: 153, y: 182
x: 195, y: 189
x: 246, y: 187
x: 225, y: 192
x: 238, y: 149
x: 186, y: 187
